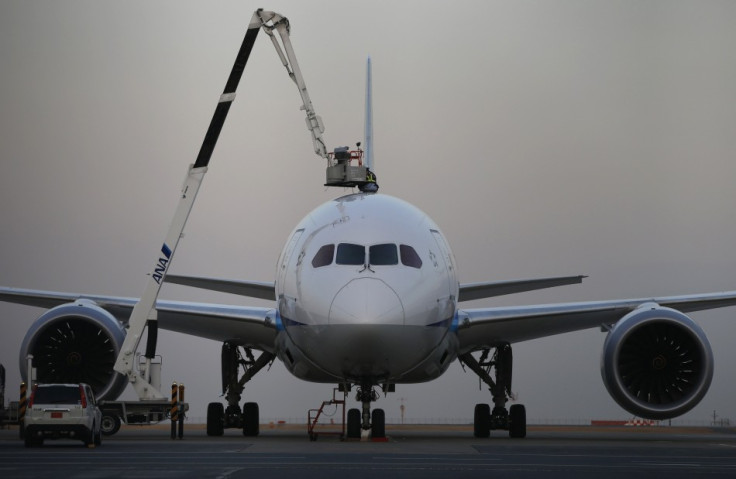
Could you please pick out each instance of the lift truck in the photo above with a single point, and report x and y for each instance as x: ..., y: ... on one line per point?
x: 8, y: 415
x: 143, y: 373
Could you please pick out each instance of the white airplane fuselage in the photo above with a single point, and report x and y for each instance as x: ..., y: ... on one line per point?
x: 367, y: 292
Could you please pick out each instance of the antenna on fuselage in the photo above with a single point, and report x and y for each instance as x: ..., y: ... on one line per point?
x: 340, y: 170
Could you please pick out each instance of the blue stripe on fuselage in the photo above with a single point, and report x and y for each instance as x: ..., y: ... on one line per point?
x: 442, y: 324
x: 279, y: 323
x: 455, y: 323
x: 286, y: 322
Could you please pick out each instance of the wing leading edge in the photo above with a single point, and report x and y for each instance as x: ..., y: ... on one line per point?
x: 251, y: 289
x: 470, y: 291
x: 487, y: 327
x: 250, y: 326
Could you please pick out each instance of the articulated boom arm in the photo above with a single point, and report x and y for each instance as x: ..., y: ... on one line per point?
x: 271, y: 21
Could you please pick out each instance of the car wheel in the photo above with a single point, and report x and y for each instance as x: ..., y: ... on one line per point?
x: 89, y: 439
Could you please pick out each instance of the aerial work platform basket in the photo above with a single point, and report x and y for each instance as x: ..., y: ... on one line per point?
x: 343, y: 172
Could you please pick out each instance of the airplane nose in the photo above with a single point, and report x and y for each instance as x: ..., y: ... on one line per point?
x: 366, y: 301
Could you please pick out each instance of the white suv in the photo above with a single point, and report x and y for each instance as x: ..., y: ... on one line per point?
x: 62, y: 411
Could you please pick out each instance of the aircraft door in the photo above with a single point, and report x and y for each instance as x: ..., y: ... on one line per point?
x: 445, y: 250
x: 446, y: 304
x: 287, y: 284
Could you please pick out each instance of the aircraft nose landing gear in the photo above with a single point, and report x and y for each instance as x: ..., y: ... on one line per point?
x: 375, y: 422
x: 485, y: 420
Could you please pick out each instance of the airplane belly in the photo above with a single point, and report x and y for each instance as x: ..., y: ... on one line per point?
x: 381, y: 353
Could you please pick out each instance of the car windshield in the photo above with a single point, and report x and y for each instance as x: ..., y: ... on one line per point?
x: 57, y: 395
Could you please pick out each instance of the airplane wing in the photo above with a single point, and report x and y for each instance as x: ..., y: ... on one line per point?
x: 470, y: 291
x: 487, y: 327
x: 252, y: 289
x: 213, y: 321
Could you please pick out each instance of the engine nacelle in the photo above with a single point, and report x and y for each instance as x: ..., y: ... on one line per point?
x: 657, y: 363
x: 76, y: 343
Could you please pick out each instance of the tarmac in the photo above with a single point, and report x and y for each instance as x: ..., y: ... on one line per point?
x: 431, y: 451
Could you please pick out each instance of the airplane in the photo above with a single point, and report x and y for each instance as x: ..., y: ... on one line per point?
x: 367, y: 295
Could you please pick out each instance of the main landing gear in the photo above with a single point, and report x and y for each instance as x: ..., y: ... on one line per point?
x: 486, y: 419
x: 357, y: 420
x: 219, y: 417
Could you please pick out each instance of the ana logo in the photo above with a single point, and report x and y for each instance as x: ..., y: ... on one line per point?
x: 160, y: 269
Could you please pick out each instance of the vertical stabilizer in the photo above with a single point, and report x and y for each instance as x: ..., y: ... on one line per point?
x: 368, y: 117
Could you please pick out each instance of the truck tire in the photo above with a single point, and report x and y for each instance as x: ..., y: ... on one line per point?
x: 110, y: 423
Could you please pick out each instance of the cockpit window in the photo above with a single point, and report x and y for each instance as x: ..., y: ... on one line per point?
x: 383, y: 255
x: 409, y: 256
x: 350, y: 254
x: 378, y: 255
x: 324, y: 256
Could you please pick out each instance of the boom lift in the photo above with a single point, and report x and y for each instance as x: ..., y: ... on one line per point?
x: 341, y: 172
x: 142, y: 372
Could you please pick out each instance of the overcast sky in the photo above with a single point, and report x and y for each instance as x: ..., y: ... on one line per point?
x: 544, y: 137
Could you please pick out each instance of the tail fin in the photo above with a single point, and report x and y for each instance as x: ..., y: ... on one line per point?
x: 368, y: 117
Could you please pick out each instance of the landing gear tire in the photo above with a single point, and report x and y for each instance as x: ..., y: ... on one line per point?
x: 517, y: 421
x: 110, y: 424
x: 482, y: 420
x: 378, y: 424
x: 353, y: 424
x: 251, y: 419
x: 215, y: 419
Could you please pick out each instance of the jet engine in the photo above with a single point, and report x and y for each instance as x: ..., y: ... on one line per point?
x: 656, y: 363
x: 76, y: 343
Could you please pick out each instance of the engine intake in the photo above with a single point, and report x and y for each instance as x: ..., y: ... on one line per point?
x: 76, y: 343
x: 657, y: 363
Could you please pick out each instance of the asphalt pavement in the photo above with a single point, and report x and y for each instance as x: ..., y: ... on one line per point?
x: 411, y: 451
